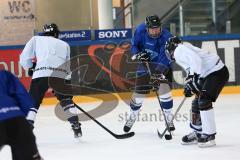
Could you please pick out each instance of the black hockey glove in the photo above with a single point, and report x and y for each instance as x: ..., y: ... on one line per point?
x: 31, y: 70
x: 157, y: 79
x: 143, y: 57
x: 192, y: 86
x: 188, y: 92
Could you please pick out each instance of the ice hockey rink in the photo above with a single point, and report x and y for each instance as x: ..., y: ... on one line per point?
x: 55, y: 138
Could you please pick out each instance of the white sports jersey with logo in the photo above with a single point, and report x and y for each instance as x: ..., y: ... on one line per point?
x: 52, y: 56
x: 197, y: 60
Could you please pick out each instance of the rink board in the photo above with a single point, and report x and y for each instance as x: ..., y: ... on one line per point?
x: 126, y: 96
x: 111, y: 65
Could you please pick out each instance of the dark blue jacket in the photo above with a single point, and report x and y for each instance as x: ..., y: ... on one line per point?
x: 141, y: 41
x: 14, y: 99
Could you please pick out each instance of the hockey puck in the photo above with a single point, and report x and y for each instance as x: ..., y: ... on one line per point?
x: 168, y: 137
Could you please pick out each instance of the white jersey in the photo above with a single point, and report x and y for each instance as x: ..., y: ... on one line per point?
x: 197, y: 60
x: 52, y: 57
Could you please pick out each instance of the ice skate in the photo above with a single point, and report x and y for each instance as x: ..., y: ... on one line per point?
x: 206, y: 141
x: 76, y: 127
x: 169, y: 116
x: 191, y: 138
x: 171, y: 126
x: 130, y: 121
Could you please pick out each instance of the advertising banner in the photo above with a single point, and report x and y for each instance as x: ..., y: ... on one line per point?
x: 17, y: 21
x: 113, y: 34
x: 113, y: 70
x: 9, y: 60
x: 75, y: 35
x: 108, y: 67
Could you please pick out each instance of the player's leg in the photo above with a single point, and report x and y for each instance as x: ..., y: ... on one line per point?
x: 212, y: 87
x: 3, y: 135
x: 135, y: 105
x: 22, y: 140
x: 38, y: 88
x: 142, y: 88
x: 165, y: 96
x: 70, y: 110
x: 195, y: 124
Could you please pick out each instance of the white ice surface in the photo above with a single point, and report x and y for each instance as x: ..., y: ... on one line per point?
x: 55, y: 139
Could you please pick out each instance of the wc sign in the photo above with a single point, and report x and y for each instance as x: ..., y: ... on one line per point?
x: 113, y: 34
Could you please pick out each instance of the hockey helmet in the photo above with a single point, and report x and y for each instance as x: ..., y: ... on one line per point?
x: 51, y: 30
x: 152, y: 23
x: 171, y: 45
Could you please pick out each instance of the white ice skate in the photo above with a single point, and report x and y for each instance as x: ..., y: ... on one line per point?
x: 131, y: 120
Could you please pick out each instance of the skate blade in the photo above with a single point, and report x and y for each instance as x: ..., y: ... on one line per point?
x: 77, y: 135
x: 211, y: 143
x: 77, y: 140
x: 189, y: 143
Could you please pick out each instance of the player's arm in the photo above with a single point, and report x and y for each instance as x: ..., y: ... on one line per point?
x: 159, y: 66
x: 28, y: 54
x: 181, y: 55
x: 135, y: 42
x: 188, y: 59
x: 20, y: 94
x: 195, y: 63
x: 68, y: 59
x: 165, y: 37
x: 192, y: 86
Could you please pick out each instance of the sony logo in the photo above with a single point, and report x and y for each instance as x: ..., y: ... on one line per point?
x: 112, y: 34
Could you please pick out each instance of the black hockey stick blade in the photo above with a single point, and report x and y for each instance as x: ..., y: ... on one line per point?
x: 123, y: 136
x: 160, y: 135
x: 118, y: 136
x: 167, y: 136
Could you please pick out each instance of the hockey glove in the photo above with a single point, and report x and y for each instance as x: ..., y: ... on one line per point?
x: 31, y: 70
x: 143, y: 57
x: 157, y: 79
x: 188, y: 92
x: 192, y: 84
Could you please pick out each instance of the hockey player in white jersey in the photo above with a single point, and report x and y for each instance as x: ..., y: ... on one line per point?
x: 51, y: 55
x: 206, y: 77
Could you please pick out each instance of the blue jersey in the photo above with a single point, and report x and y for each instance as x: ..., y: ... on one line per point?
x: 14, y: 98
x: 141, y: 41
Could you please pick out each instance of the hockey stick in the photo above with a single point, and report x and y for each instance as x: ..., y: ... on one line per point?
x: 167, y: 136
x: 160, y: 135
x: 118, y: 136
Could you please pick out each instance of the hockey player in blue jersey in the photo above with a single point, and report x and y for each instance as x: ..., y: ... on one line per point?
x: 148, y: 46
x: 15, y: 130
